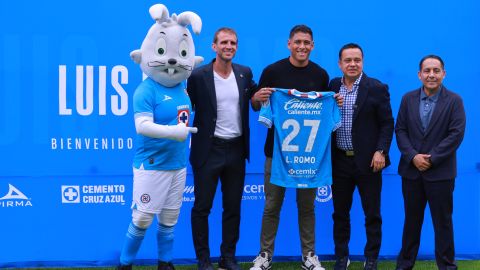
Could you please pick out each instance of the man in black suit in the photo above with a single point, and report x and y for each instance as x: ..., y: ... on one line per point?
x: 360, y: 152
x: 430, y: 127
x: 220, y: 93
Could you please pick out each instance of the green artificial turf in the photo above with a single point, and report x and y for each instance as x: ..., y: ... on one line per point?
x: 382, y: 265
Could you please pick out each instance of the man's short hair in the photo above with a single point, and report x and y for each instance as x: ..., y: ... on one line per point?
x: 349, y: 46
x: 301, y: 28
x: 431, y: 56
x: 224, y: 29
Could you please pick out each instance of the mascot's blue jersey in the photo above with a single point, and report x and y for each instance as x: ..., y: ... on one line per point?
x: 167, y: 106
x: 303, y: 125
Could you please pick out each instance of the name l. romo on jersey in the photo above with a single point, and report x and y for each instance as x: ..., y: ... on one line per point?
x: 300, y: 160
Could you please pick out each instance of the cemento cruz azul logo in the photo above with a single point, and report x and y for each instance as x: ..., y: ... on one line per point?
x: 15, y: 198
x: 324, y: 194
x: 70, y: 194
x: 93, y: 194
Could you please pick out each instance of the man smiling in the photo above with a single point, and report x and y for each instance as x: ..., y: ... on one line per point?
x: 294, y: 72
x: 430, y: 127
x: 360, y: 154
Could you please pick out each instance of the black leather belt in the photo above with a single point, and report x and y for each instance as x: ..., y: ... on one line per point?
x: 348, y: 153
x: 227, y: 141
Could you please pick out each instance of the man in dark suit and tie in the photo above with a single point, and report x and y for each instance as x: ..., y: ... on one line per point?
x: 360, y: 152
x: 220, y: 93
x: 430, y: 127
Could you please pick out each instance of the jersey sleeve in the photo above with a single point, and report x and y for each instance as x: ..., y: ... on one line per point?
x: 336, y: 116
x: 265, y: 116
x: 143, y: 101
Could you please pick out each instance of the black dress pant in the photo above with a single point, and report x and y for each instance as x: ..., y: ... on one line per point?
x: 439, y: 196
x: 226, y: 161
x: 346, y: 177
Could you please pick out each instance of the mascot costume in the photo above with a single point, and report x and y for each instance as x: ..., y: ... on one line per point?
x: 162, y: 112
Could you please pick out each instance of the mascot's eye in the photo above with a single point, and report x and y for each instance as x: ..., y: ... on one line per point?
x: 161, y: 47
x: 183, y: 49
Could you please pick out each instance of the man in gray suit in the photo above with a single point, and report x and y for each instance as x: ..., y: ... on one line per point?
x: 429, y: 129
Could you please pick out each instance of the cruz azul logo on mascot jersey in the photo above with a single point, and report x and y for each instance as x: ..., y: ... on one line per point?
x: 183, y: 115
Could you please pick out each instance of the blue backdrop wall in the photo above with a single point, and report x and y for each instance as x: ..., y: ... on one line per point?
x: 66, y: 123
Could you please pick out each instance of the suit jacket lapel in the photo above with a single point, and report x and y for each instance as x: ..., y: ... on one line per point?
x: 362, y: 93
x: 415, y: 110
x: 210, y: 86
x: 239, y: 77
x: 437, y: 111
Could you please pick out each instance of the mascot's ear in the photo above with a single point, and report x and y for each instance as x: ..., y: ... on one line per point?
x: 198, y: 61
x: 188, y: 17
x: 136, y: 56
x: 159, y: 13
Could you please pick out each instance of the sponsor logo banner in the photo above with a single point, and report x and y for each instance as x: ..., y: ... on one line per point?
x: 93, y: 194
x: 15, y: 198
x: 324, y: 194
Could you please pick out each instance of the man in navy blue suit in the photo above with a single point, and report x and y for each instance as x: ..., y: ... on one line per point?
x: 220, y: 93
x: 430, y: 127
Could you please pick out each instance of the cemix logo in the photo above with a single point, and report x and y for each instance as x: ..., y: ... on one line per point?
x: 93, y: 194
x: 324, y: 194
x: 15, y: 198
x: 253, y: 192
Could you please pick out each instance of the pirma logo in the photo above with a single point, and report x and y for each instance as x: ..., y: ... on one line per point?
x: 324, y: 194
x: 14, y: 198
x: 70, y: 194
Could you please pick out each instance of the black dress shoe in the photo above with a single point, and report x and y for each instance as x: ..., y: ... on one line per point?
x: 402, y: 267
x: 226, y: 263
x: 124, y: 267
x: 165, y: 266
x: 205, y: 265
x: 341, y: 263
x: 370, y: 264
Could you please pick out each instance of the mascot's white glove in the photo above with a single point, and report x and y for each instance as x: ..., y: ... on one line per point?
x: 146, y: 127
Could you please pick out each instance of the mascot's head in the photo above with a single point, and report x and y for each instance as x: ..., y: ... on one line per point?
x: 167, y: 54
